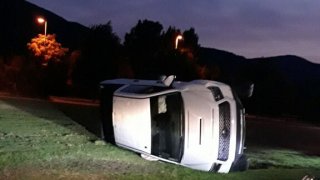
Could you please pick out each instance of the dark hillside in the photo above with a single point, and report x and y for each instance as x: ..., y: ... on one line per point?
x: 18, y: 26
x: 227, y: 65
x: 284, y: 85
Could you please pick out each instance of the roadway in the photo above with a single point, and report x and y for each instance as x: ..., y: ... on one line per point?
x: 281, y: 133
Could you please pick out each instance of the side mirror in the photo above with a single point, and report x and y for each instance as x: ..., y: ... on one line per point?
x: 244, y: 90
x: 167, y: 80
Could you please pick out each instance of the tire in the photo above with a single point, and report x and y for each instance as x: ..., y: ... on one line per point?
x: 241, y: 164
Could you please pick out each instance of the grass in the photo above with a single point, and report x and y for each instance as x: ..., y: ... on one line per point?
x: 39, y: 142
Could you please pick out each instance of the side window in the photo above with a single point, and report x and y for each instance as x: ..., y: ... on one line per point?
x: 216, y: 92
x: 167, y: 126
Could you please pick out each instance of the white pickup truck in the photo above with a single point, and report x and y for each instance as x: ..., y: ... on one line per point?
x: 198, y: 124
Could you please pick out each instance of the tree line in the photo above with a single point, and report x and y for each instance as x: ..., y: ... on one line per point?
x: 147, y: 52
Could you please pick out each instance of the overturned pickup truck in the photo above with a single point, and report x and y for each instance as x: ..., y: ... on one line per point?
x: 198, y: 124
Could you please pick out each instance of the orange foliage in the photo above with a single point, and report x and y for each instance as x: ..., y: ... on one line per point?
x: 47, y: 48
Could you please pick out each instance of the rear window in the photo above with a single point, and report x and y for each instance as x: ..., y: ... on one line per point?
x: 140, y: 89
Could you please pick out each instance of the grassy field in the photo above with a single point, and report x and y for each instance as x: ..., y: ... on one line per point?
x: 37, y: 141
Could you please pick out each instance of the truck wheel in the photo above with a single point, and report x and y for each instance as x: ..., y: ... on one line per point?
x: 241, y: 164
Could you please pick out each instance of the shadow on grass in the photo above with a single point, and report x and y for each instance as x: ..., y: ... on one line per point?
x: 265, y: 158
x: 87, y: 116
x: 49, y: 111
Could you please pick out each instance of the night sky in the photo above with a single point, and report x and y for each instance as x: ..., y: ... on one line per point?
x: 251, y: 28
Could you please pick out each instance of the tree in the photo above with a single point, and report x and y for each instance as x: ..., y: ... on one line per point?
x: 100, y: 53
x: 190, y: 44
x: 47, y: 48
x: 47, y: 73
x: 152, y: 51
x: 145, y: 37
x: 169, y: 38
x: 142, y: 46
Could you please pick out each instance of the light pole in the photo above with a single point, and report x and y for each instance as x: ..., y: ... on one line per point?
x: 179, y: 37
x: 41, y: 21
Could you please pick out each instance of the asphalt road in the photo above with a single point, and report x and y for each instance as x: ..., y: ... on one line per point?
x: 260, y: 132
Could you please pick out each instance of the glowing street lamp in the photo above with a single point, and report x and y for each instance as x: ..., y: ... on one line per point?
x: 41, y: 21
x: 179, y: 37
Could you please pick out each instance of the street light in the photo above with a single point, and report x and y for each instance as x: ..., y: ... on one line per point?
x: 41, y: 21
x: 179, y: 37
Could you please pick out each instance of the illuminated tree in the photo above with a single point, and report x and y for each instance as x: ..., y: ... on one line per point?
x: 47, y: 48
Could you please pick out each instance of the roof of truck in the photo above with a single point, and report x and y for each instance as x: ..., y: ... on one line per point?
x: 148, y: 88
x: 176, y: 84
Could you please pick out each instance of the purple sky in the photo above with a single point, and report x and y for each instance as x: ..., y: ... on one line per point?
x: 251, y: 28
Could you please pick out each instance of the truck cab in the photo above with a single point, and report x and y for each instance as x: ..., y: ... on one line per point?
x: 198, y: 124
